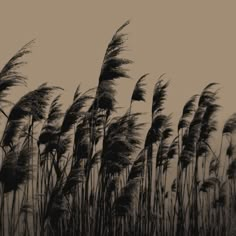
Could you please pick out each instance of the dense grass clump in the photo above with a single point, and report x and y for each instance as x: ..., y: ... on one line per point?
x: 88, y: 171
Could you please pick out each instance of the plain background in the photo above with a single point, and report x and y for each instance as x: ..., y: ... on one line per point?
x: 192, y: 42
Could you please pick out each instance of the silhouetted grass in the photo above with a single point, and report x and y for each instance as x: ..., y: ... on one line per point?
x: 81, y: 174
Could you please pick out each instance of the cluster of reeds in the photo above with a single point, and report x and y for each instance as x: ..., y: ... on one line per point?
x: 88, y: 172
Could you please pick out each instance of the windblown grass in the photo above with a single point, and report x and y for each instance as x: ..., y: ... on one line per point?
x: 88, y: 172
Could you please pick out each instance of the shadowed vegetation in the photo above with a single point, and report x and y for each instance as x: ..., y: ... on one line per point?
x: 88, y: 171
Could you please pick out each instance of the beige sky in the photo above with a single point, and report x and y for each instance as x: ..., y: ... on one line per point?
x: 192, y: 42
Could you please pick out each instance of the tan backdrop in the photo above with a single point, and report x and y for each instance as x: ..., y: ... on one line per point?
x: 192, y: 42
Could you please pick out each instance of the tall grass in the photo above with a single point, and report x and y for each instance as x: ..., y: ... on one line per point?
x: 89, y: 172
